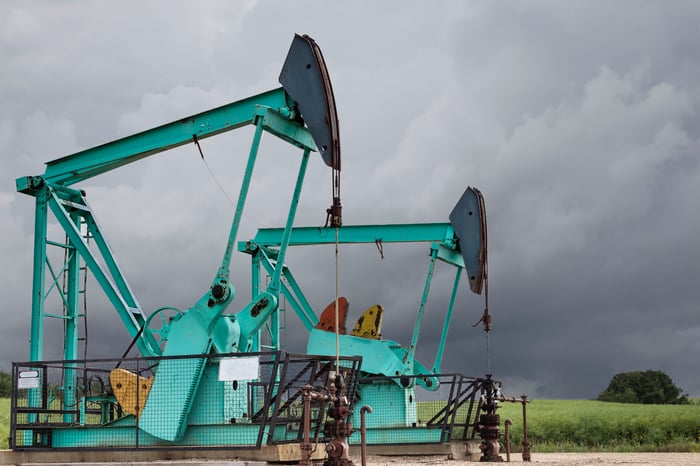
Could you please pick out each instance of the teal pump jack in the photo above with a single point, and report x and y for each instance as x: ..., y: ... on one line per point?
x: 302, y: 112
x: 460, y: 243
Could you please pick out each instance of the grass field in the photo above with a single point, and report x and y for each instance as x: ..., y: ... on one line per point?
x: 584, y: 425
x: 575, y: 426
x: 4, y: 422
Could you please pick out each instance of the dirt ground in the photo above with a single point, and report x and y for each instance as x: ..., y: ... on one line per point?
x: 558, y: 459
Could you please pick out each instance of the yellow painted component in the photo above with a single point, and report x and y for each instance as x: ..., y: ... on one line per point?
x: 130, y: 390
x: 369, y: 325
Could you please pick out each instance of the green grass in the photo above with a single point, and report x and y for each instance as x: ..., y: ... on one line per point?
x: 584, y: 425
x: 4, y: 423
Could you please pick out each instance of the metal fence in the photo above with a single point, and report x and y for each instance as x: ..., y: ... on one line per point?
x: 230, y: 401
x: 176, y: 402
x: 423, y: 409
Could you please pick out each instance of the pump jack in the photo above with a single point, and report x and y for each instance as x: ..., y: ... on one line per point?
x: 302, y: 112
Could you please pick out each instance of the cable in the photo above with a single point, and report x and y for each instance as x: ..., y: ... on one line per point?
x: 211, y: 173
x: 216, y: 182
x: 337, y: 318
x: 487, y: 317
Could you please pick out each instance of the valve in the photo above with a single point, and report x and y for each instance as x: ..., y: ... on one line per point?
x: 489, y: 423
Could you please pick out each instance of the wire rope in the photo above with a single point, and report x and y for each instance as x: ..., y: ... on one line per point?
x: 219, y: 185
x: 487, y: 318
x: 337, y: 318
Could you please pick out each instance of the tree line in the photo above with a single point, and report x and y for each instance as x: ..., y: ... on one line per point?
x: 5, y: 384
x: 645, y: 387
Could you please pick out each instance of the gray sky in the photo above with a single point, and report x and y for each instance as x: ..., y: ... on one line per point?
x: 578, y: 121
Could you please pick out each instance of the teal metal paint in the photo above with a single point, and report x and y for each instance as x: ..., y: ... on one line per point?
x: 273, y: 323
x: 294, y: 297
x: 231, y: 402
x: 204, y: 325
x: 268, y: 106
x: 450, y: 256
x: 264, y: 256
x: 240, y: 205
x: 274, y: 282
x: 39, y: 278
x: 38, y: 284
x: 210, y: 393
x: 246, y: 319
x: 201, y: 327
x: 72, y: 313
x: 274, y: 329
x: 54, y: 284
x: 97, y: 160
x: 175, y: 385
x: 254, y: 290
x: 398, y: 405
x: 91, y: 162
x: 383, y: 357
x: 192, y: 334
x: 249, y: 320
x: 132, y: 306
x: 380, y: 356
x: 123, y: 287
x: 170, y: 398
x: 304, y: 311
x: 206, y: 426
x: 408, y: 361
x: 446, y: 323
x: 117, y: 290
x: 276, y: 123
x: 390, y: 233
x: 239, y: 435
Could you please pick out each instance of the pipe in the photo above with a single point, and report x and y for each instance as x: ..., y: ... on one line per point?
x: 508, y: 423
x: 363, y: 433
x: 526, y: 442
x: 305, y: 446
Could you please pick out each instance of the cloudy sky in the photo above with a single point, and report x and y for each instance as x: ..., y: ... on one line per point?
x: 578, y: 121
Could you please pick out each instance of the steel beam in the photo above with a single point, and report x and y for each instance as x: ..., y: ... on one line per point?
x: 389, y: 233
x: 91, y: 162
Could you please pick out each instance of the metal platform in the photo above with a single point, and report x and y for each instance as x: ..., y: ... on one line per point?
x: 288, y: 453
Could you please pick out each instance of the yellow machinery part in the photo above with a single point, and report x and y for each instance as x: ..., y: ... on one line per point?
x: 369, y: 325
x: 130, y: 390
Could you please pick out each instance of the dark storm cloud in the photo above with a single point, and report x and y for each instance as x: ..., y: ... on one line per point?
x: 578, y: 123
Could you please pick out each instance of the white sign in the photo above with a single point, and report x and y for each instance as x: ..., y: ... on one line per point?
x: 238, y: 368
x: 28, y: 379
